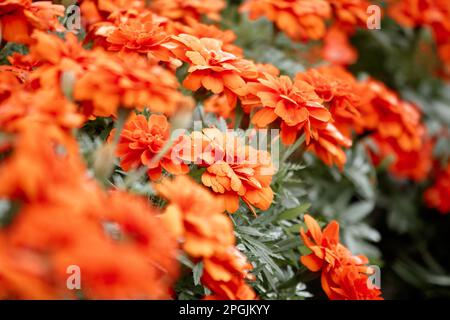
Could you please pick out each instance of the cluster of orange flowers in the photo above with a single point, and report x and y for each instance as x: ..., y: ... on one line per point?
x: 56, y: 88
x: 343, y: 276
x: 136, y: 52
x: 61, y: 218
x: 434, y: 14
x: 304, y: 20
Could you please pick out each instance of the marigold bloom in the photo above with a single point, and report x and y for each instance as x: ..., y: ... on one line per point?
x: 42, y: 105
x: 197, y: 219
x: 438, y: 195
x: 233, y: 170
x: 141, y: 34
x: 94, y: 11
x: 396, y: 129
x: 19, y: 18
x: 340, y: 93
x: 349, y: 14
x: 213, y: 68
x: 182, y: 9
x: 111, y: 82
x: 414, y: 164
x: 201, y: 30
x: 327, y: 147
x: 296, y: 104
x: 344, y: 276
x: 301, y: 20
x: 225, y: 274
x: 337, y: 48
x: 195, y: 216
x: 142, y: 140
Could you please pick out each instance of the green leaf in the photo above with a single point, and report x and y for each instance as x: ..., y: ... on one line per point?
x: 294, y: 212
x: 197, y: 273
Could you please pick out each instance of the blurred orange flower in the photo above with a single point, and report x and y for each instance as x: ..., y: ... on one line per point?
x: 344, y: 276
x: 225, y: 274
x: 112, y: 81
x: 64, y: 219
x: 142, y: 140
x: 19, y: 18
x: 182, y: 9
x: 438, y: 195
x: 197, y: 219
x: 201, y: 30
x: 301, y: 20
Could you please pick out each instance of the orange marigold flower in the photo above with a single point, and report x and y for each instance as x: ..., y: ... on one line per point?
x: 213, y: 68
x: 19, y: 18
x: 141, y: 140
x: 201, y: 30
x: 337, y: 48
x: 414, y: 164
x: 195, y: 216
x: 296, y: 104
x: 43, y: 105
x: 349, y: 14
x: 182, y: 9
x: 94, y: 11
x: 197, y: 219
x: 225, y: 274
x: 340, y: 92
x: 301, y: 20
x: 327, y: 147
x: 392, y: 117
x: 141, y: 34
x: 344, y: 276
x: 112, y: 81
x: 438, y: 195
x: 233, y: 170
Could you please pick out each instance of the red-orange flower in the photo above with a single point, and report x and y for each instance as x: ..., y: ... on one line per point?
x: 112, y: 81
x: 233, y: 170
x: 141, y: 34
x: 142, y: 140
x: 396, y: 127
x: 201, y: 30
x: 94, y: 11
x: 195, y: 216
x: 64, y: 219
x: 301, y: 20
x: 19, y: 18
x: 344, y: 276
x: 225, y: 274
x: 213, y: 68
x: 296, y: 104
x: 182, y: 9
x: 438, y: 195
x: 197, y: 219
